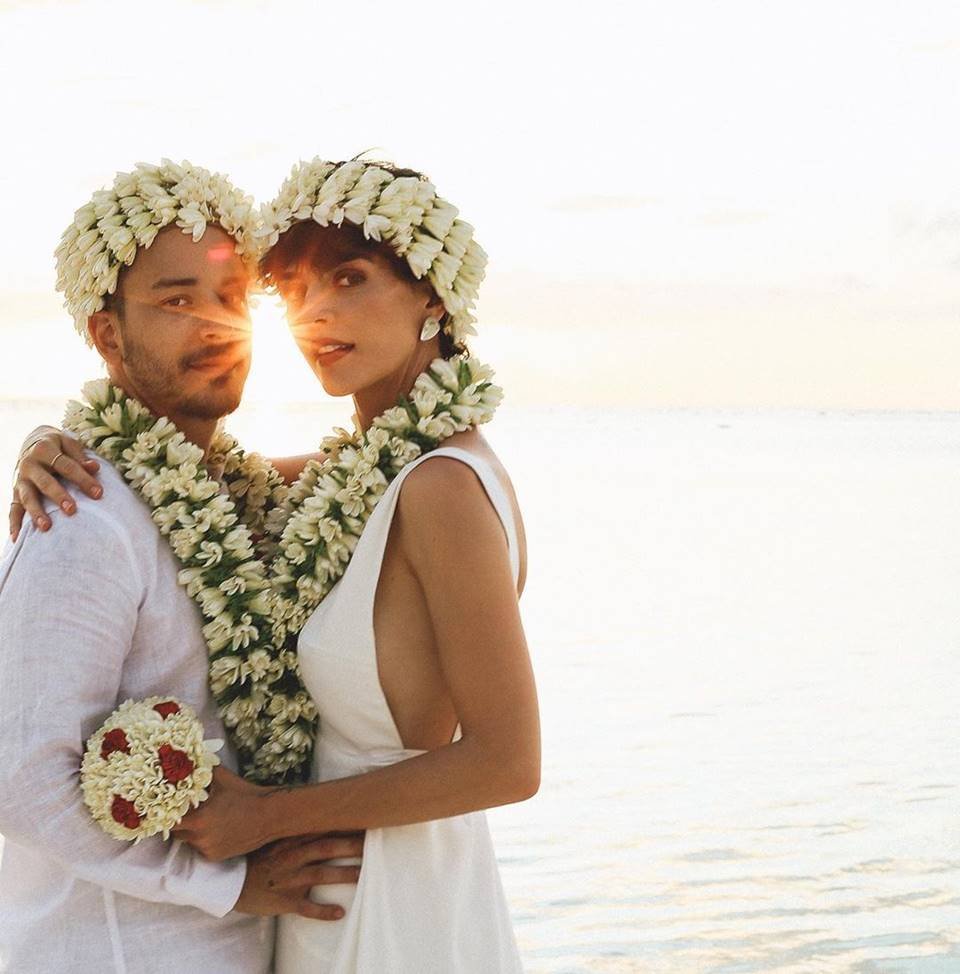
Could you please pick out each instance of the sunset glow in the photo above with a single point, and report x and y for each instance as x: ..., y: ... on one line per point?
x: 747, y: 205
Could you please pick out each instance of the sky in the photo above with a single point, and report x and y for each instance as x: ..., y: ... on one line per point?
x: 693, y: 204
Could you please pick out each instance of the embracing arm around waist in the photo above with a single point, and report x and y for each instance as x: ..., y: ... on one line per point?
x: 69, y: 602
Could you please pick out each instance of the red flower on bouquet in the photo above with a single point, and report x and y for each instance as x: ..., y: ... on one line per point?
x: 166, y: 709
x: 176, y: 764
x: 114, y: 740
x: 125, y: 812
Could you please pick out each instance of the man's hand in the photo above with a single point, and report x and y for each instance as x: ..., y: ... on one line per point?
x: 279, y: 875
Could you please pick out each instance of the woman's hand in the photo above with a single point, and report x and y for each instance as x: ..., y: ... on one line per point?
x: 231, y: 822
x: 47, y: 454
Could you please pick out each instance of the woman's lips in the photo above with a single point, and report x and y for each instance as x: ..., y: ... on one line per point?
x: 331, y: 352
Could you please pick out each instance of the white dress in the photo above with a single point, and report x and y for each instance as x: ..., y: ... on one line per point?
x: 429, y: 900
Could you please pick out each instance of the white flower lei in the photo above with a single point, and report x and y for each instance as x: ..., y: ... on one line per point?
x: 256, y: 488
x: 402, y: 211
x: 254, y: 614
x: 329, y: 505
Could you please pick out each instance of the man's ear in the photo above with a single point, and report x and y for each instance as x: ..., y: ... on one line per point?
x: 104, y: 329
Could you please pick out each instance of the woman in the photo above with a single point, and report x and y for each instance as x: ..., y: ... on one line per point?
x: 416, y: 659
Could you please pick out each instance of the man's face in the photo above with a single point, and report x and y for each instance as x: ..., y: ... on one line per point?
x: 183, y: 328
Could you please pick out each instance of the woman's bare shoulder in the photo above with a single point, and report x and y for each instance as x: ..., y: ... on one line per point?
x: 443, y: 498
x: 442, y: 478
x: 442, y: 489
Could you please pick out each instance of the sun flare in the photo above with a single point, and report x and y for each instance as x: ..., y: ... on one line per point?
x: 277, y: 365
x: 284, y: 410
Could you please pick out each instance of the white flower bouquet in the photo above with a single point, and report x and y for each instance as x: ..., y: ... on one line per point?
x: 146, y: 767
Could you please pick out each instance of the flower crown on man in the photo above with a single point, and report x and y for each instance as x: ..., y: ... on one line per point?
x: 107, y: 232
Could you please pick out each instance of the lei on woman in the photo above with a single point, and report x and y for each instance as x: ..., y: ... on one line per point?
x: 225, y: 540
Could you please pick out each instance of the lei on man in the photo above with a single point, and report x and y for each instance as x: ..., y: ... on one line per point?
x: 259, y: 558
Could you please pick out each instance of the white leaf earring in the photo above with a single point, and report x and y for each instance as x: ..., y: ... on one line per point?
x: 430, y: 328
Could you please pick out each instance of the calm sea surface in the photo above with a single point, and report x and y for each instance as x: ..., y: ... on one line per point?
x: 746, y: 633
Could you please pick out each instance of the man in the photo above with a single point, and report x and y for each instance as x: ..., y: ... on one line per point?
x: 92, y: 614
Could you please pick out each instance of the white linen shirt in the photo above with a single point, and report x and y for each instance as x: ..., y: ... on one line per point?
x: 91, y: 614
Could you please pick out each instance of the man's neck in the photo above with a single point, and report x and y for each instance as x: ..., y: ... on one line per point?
x: 199, y: 431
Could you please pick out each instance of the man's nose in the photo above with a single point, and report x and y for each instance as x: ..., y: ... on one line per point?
x: 224, y: 324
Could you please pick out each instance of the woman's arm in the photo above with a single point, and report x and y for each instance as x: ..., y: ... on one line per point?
x: 290, y: 467
x: 48, y: 453
x: 472, y: 602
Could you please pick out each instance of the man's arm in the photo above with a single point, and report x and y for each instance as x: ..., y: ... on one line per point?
x: 68, y: 610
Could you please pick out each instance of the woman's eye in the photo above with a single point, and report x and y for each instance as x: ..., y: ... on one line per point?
x: 349, y: 278
x: 177, y: 302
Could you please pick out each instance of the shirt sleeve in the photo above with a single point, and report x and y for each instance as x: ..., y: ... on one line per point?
x: 69, y: 601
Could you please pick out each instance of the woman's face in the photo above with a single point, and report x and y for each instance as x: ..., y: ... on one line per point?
x: 354, y: 319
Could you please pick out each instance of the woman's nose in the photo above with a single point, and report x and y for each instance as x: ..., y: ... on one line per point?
x: 316, y: 300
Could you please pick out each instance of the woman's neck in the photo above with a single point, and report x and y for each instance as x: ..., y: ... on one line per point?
x: 369, y: 403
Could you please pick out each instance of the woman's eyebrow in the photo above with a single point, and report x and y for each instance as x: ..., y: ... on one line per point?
x: 291, y: 272
x: 339, y: 259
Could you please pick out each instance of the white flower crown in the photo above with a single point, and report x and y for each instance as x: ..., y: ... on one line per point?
x: 402, y: 211
x: 107, y: 232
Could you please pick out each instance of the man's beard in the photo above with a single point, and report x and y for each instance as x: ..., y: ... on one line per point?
x: 220, y: 398
x: 213, y: 404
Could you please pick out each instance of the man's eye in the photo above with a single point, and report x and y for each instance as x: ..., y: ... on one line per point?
x: 179, y: 301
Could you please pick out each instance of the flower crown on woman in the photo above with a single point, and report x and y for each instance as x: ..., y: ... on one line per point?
x: 398, y: 207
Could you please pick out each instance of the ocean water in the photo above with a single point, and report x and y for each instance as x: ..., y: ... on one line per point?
x: 746, y: 635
